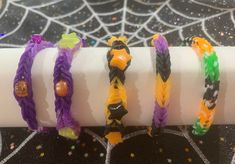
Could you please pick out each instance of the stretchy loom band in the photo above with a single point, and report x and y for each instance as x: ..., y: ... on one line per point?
x: 23, y: 83
x: 212, y: 80
x: 67, y: 126
x: 162, y: 84
x: 119, y: 59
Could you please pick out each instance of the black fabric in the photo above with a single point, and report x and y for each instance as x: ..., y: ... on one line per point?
x: 217, y: 145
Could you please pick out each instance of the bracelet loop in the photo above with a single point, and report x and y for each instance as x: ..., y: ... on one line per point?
x: 119, y: 59
x: 162, y: 84
x: 63, y: 86
x: 23, y: 83
x: 210, y: 64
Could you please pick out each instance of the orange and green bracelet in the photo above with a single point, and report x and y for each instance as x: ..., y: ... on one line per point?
x: 212, y: 80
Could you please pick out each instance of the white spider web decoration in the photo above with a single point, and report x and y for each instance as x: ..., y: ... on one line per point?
x: 108, y: 147
x: 98, y: 20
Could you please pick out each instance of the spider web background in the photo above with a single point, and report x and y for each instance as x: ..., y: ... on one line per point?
x: 138, y: 20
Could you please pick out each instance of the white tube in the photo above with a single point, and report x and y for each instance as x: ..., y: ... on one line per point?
x: 90, y: 75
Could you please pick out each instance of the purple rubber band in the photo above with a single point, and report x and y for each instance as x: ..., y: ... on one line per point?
x: 159, y: 116
x: 63, y: 104
x: 27, y: 105
x: 161, y: 45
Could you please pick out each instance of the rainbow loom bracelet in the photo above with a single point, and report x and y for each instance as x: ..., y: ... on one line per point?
x: 119, y: 59
x: 212, y: 80
x: 63, y: 86
x: 162, y: 84
x: 23, y: 83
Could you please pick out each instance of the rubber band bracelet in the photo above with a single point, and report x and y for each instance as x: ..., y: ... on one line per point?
x: 210, y: 64
x: 162, y: 84
x: 119, y: 59
x: 23, y: 83
x: 67, y: 126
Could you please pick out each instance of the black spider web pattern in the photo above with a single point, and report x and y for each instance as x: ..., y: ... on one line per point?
x: 136, y: 19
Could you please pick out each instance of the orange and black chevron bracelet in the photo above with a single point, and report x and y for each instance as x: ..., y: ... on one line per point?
x: 119, y: 59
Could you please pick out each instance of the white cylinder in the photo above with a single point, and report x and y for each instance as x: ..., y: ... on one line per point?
x: 90, y: 75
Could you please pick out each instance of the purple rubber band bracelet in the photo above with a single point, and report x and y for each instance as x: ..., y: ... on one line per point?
x: 163, y: 68
x: 23, y: 83
x: 63, y: 87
